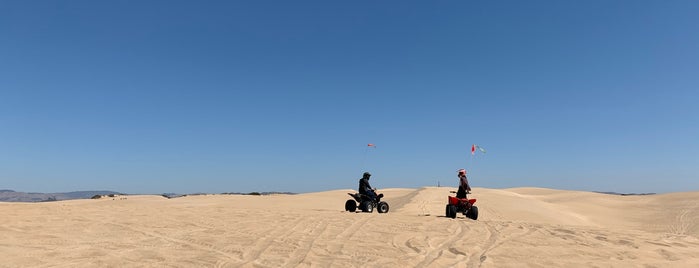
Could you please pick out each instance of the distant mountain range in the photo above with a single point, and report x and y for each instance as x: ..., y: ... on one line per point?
x: 12, y: 196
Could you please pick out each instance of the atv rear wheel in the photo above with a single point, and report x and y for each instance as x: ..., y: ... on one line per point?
x: 382, y: 207
x: 350, y: 206
x: 472, y: 213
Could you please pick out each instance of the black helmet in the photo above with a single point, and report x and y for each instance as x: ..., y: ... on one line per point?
x: 366, y: 174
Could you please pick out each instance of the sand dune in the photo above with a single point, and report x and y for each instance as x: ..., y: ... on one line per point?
x: 520, y: 227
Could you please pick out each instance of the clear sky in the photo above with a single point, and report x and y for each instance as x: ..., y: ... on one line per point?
x: 240, y: 96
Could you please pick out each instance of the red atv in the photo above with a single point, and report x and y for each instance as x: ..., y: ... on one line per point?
x: 462, y: 205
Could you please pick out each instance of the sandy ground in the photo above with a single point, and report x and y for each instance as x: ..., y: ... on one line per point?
x: 521, y: 227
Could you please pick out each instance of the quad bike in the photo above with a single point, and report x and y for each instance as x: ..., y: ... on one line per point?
x: 462, y: 205
x: 365, y: 203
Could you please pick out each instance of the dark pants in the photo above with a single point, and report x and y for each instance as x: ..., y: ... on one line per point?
x: 371, y: 195
x: 461, y: 193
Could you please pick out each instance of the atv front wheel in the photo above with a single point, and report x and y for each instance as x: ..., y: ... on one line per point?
x: 382, y: 207
x: 367, y: 207
x: 350, y: 206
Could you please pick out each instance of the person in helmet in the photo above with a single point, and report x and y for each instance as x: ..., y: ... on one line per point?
x: 365, y: 187
x: 464, y: 187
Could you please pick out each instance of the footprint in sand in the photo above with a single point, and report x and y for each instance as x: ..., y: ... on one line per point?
x: 667, y: 255
x: 626, y: 243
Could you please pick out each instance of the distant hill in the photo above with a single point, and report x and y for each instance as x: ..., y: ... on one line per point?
x: 624, y: 194
x: 12, y: 196
x: 175, y: 195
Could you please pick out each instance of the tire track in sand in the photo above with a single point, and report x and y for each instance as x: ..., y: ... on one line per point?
x: 682, y: 221
x: 347, y: 234
x: 264, y: 243
x: 338, y: 246
x: 439, y: 250
x: 177, y: 241
x: 494, y: 241
x: 306, y: 244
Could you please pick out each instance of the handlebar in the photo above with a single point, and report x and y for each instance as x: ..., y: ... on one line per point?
x: 453, y: 192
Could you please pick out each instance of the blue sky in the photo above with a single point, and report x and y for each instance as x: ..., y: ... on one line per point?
x: 234, y: 96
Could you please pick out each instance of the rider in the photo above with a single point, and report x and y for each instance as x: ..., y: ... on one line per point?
x: 365, y: 187
x: 464, y: 187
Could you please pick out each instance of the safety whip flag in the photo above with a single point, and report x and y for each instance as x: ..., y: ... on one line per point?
x: 476, y: 147
x: 371, y: 145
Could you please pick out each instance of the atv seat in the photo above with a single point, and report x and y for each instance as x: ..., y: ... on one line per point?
x: 362, y: 197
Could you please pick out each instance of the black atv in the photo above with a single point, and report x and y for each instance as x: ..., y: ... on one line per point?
x: 365, y: 203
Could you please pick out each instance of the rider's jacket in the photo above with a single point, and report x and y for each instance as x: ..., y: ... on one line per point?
x: 463, y: 182
x: 364, y: 186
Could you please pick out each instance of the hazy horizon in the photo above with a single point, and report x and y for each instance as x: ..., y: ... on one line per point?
x: 326, y: 190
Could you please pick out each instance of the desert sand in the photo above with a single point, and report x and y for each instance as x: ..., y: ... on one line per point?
x: 519, y: 227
